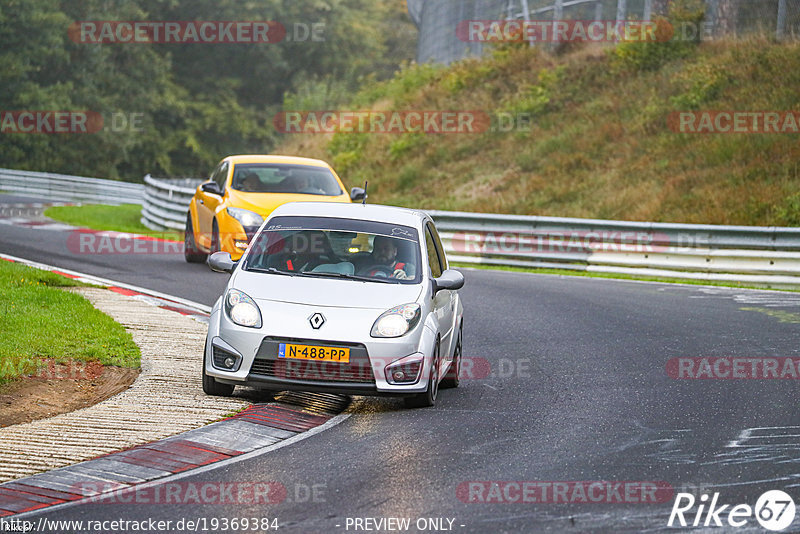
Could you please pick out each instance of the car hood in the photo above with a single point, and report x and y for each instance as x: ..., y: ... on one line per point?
x: 265, y: 203
x: 324, y: 291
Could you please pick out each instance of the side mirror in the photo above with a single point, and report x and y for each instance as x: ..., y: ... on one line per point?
x: 357, y: 193
x: 450, y: 279
x: 211, y: 187
x: 221, y: 262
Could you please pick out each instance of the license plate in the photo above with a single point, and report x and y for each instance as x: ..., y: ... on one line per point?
x: 308, y: 352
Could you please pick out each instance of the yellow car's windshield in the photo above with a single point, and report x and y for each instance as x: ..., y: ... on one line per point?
x: 282, y: 178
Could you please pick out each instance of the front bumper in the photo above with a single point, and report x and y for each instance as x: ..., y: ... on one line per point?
x: 258, y: 364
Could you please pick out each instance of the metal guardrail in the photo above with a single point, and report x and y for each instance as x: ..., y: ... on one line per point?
x: 64, y: 187
x: 763, y: 256
x: 768, y: 256
x: 166, y: 202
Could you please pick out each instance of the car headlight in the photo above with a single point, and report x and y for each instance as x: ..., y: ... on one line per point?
x: 246, y: 218
x: 397, y: 321
x: 242, y: 309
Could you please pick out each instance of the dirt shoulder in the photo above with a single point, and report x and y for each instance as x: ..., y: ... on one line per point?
x: 29, y: 399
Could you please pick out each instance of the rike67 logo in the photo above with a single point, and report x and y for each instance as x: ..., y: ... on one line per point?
x: 774, y: 510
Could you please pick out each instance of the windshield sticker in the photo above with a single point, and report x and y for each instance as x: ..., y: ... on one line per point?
x: 401, y: 232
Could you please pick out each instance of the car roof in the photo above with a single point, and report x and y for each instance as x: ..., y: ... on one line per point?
x: 274, y: 158
x: 367, y: 212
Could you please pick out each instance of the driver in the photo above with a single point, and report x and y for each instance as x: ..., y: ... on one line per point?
x: 384, y: 260
x: 250, y: 183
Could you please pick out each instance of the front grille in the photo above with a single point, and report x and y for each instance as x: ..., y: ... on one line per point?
x: 357, y: 371
x: 313, y: 371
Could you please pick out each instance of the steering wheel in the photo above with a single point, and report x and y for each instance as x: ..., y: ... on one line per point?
x: 382, y: 271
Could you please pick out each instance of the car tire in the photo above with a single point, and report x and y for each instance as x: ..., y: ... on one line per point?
x: 211, y: 386
x: 451, y: 379
x: 190, y: 251
x: 427, y: 399
x: 215, y: 246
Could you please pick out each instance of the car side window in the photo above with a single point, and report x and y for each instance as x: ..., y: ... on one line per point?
x: 439, y: 247
x: 433, y: 256
x: 220, y: 175
x: 213, y: 177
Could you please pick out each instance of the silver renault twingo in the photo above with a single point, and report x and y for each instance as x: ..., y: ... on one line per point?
x: 340, y: 298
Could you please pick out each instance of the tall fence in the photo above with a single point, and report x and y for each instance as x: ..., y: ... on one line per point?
x: 439, y: 42
x: 764, y: 256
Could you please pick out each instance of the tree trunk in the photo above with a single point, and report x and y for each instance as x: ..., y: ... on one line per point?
x: 661, y: 7
x: 725, y: 16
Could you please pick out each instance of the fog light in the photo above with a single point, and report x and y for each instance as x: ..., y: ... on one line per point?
x: 405, y: 370
x: 229, y: 362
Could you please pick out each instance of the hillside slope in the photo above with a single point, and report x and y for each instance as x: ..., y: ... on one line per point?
x: 599, y: 144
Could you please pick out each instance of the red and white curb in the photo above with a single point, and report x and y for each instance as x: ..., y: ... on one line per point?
x: 118, y: 476
x: 258, y: 429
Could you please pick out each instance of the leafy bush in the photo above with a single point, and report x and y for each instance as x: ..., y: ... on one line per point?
x: 705, y: 82
x: 535, y: 98
x: 788, y: 214
x: 404, y: 144
x: 671, y: 41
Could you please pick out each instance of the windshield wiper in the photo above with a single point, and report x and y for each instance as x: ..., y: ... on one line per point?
x: 348, y: 277
x: 270, y: 270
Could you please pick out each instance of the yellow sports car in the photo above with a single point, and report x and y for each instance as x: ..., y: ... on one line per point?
x: 226, y: 211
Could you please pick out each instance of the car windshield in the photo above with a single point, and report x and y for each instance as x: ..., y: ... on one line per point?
x: 277, y: 178
x: 336, y: 248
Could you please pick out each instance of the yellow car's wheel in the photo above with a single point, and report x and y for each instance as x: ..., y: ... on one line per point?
x: 215, y: 246
x: 191, y: 253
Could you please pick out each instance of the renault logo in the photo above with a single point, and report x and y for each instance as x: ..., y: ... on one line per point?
x: 316, y: 320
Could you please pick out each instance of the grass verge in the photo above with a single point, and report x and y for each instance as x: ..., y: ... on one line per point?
x: 618, y: 276
x: 40, y: 323
x: 123, y: 218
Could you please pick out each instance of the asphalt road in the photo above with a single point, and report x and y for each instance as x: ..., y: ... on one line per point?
x: 578, y: 391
